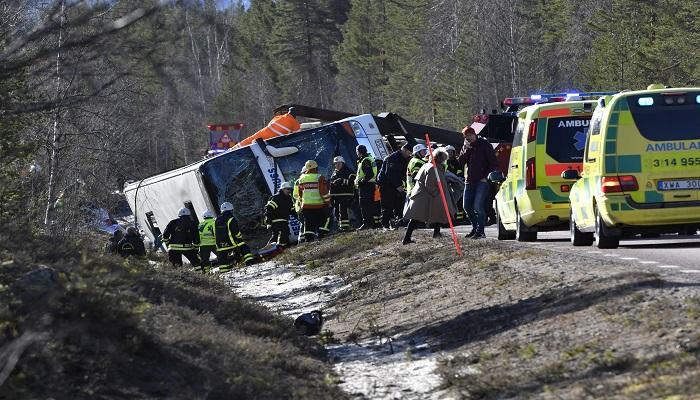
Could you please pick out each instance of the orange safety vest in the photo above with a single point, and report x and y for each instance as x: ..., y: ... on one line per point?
x: 279, y: 126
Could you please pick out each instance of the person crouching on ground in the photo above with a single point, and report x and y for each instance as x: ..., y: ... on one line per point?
x: 425, y: 203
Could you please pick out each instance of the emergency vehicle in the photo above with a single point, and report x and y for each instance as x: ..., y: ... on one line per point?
x: 248, y: 176
x: 641, y: 168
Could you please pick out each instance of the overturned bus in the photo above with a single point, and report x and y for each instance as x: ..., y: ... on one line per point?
x: 248, y: 176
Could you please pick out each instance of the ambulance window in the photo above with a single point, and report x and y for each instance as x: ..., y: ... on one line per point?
x: 518, y: 138
x: 566, y: 138
x: 667, y: 116
x: 596, y: 120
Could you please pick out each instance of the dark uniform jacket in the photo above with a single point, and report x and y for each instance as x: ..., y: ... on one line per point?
x: 225, y: 227
x: 279, y: 208
x: 393, y: 171
x: 181, y: 231
x: 454, y: 166
x: 342, y: 182
x: 131, y: 245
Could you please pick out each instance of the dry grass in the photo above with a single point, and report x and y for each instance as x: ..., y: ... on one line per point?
x: 110, y: 328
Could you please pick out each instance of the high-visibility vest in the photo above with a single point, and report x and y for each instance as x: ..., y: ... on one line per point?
x: 279, y: 126
x: 310, y: 195
x: 360, y: 177
x: 206, y: 232
x: 413, y: 166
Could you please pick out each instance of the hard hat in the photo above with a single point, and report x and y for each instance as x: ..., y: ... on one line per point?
x: 361, y: 149
x: 418, y: 148
x: 450, y: 147
x: 656, y: 86
x: 183, y: 212
x: 311, y: 164
x: 338, y: 159
x: 226, y: 206
x: 286, y: 185
x: 208, y: 214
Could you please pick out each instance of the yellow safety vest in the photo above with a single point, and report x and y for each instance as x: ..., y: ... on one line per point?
x: 311, y: 195
x: 360, y: 177
x: 206, y: 232
x: 413, y: 166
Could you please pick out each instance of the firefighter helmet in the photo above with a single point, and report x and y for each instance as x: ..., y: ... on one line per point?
x: 311, y: 164
x: 226, y: 206
x: 208, y: 214
x: 338, y: 159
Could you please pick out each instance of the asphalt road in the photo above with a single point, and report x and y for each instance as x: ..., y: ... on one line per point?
x: 668, y: 254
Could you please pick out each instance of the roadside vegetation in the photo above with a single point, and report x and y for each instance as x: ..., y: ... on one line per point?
x: 76, y: 324
x: 516, y: 322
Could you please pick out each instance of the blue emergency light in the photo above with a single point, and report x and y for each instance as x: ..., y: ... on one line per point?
x: 553, y: 98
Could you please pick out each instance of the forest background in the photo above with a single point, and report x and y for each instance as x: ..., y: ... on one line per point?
x: 95, y: 93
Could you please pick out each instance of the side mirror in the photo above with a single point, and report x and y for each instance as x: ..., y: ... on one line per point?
x: 496, y: 177
x: 570, y: 175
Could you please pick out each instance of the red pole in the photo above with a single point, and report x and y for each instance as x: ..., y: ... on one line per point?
x: 442, y: 196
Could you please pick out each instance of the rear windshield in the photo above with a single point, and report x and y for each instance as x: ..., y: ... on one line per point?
x: 662, y: 117
x: 566, y: 138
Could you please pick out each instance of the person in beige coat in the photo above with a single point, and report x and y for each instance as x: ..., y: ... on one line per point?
x: 425, y: 203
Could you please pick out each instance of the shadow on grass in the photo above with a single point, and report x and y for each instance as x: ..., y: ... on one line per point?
x: 481, y: 324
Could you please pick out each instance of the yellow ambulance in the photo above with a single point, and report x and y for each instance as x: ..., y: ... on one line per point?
x: 641, y: 168
x: 549, y: 139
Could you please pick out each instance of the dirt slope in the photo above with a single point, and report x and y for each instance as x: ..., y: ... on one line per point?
x: 515, y: 323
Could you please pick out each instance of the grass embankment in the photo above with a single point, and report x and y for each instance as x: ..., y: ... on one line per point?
x: 517, y: 322
x: 75, y: 324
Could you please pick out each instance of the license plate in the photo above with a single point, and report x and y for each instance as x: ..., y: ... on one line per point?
x: 684, y: 184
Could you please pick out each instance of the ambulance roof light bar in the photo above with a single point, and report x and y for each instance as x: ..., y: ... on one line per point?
x: 553, y: 97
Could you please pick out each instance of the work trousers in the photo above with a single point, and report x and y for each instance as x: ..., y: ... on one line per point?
x: 205, y: 255
x: 175, y: 257
x: 392, y: 204
x: 313, y: 220
x: 475, y: 194
x: 228, y: 258
x: 340, y: 211
x: 367, y: 206
x: 280, y: 232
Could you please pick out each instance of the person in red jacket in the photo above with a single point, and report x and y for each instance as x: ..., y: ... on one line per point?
x: 478, y: 159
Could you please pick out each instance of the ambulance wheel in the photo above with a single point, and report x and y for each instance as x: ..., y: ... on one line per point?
x: 603, y: 238
x: 521, y: 233
x: 579, y: 238
x: 503, y: 233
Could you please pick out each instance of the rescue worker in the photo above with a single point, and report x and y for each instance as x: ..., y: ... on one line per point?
x: 277, y: 212
x: 117, y: 235
x: 365, y: 182
x: 416, y: 162
x: 230, y: 247
x: 342, y: 192
x: 454, y: 167
x: 391, y: 184
x: 207, y: 240
x: 314, y: 198
x: 182, y: 239
x: 131, y: 244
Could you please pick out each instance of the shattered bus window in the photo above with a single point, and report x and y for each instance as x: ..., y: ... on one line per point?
x: 237, y: 180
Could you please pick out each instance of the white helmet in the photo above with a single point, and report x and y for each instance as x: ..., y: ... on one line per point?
x: 418, y: 148
x: 183, y: 212
x: 208, y: 214
x: 450, y: 147
x: 226, y: 206
x: 286, y: 185
x: 339, y: 159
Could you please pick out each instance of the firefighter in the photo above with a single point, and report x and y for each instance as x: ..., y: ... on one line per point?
x: 416, y: 162
x: 277, y: 212
x: 365, y: 181
x: 454, y: 167
x: 182, y: 239
x: 342, y: 192
x: 230, y: 247
x: 313, y: 199
x: 131, y: 244
x: 207, y: 240
x: 391, y: 182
